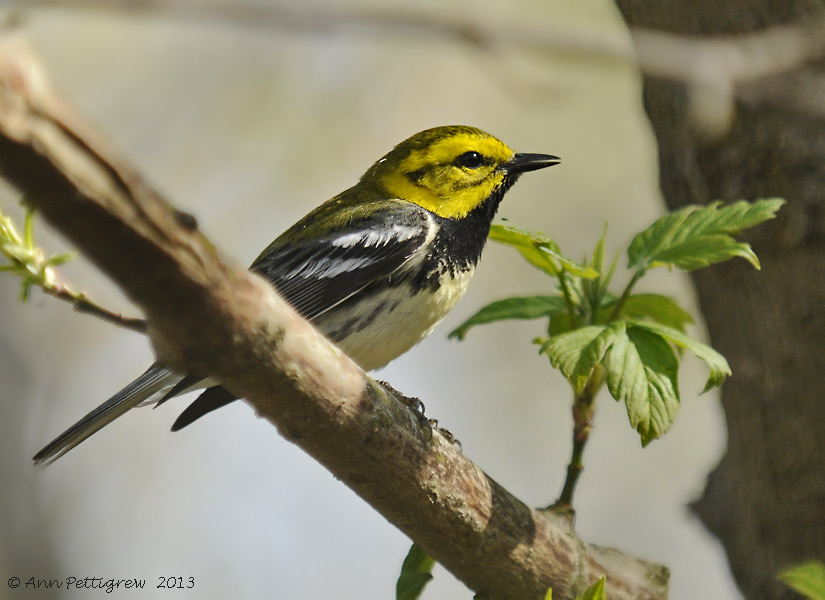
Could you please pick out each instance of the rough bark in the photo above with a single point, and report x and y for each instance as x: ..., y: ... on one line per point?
x: 208, y: 318
x: 766, y: 499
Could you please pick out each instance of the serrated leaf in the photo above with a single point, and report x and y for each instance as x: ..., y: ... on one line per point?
x: 704, y: 250
x: 697, y: 236
x: 662, y: 309
x: 539, y: 250
x: 594, y: 592
x: 642, y: 372
x: 525, y: 307
x: 577, y: 352
x: 416, y: 573
x: 718, y: 365
x: 808, y: 579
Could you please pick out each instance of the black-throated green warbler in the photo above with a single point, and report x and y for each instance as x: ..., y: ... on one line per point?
x: 375, y: 269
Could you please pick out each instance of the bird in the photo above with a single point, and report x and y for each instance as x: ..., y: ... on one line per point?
x: 374, y: 269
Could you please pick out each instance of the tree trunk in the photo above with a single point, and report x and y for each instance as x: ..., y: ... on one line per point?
x: 766, y: 499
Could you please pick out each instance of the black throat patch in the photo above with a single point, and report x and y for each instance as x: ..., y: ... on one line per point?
x: 458, y: 244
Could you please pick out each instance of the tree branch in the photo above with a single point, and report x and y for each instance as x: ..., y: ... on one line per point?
x: 205, y: 317
x: 85, y: 306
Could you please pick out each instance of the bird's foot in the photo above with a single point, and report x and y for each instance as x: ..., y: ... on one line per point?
x: 448, y: 435
x: 414, y: 404
x: 417, y: 408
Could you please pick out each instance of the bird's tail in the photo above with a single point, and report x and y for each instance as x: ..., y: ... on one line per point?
x: 156, y: 379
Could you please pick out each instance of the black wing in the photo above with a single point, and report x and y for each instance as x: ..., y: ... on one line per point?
x: 316, y: 274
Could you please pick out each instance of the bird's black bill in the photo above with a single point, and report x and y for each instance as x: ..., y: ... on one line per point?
x: 521, y: 163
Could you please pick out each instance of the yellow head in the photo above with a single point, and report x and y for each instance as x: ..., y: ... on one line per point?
x: 451, y: 170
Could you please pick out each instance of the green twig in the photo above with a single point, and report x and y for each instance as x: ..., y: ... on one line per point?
x: 584, y: 409
x: 83, y: 305
x: 35, y: 268
x: 617, y: 310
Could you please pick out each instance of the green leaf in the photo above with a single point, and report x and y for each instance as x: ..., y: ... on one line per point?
x: 719, y: 368
x: 28, y: 228
x: 416, y: 572
x: 642, y: 372
x: 705, y: 250
x: 577, y: 352
x: 606, y: 278
x: 526, y: 245
x: 525, y: 307
x: 26, y: 260
x: 594, y: 592
x: 662, y: 309
x: 592, y: 287
x: 807, y: 578
x: 598, y: 252
x: 697, y: 236
x: 559, y: 323
x: 60, y: 259
x: 540, y: 251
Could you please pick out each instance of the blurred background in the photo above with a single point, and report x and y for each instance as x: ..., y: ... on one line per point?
x: 248, y: 123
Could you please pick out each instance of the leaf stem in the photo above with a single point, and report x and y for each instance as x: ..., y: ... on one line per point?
x: 617, y: 310
x: 584, y: 409
x: 574, y: 471
x: 568, y: 299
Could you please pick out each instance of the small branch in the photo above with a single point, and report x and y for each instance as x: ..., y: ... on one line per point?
x: 574, y: 471
x: 35, y: 268
x: 205, y: 317
x: 83, y: 305
x: 584, y: 410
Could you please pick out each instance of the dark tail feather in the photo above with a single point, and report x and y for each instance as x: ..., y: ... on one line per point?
x: 154, y: 380
x: 180, y: 387
x: 212, y: 399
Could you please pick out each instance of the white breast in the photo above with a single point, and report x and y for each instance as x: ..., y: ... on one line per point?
x: 394, y: 320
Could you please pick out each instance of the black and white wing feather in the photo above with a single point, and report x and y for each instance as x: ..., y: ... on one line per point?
x: 319, y: 273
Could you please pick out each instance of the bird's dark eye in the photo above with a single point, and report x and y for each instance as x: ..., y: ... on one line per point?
x: 470, y: 160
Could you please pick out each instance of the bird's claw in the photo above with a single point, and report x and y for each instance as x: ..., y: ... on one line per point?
x: 448, y: 435
x: 415, y: 405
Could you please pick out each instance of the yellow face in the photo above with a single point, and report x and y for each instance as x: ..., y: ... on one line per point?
x: 447, y: 170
